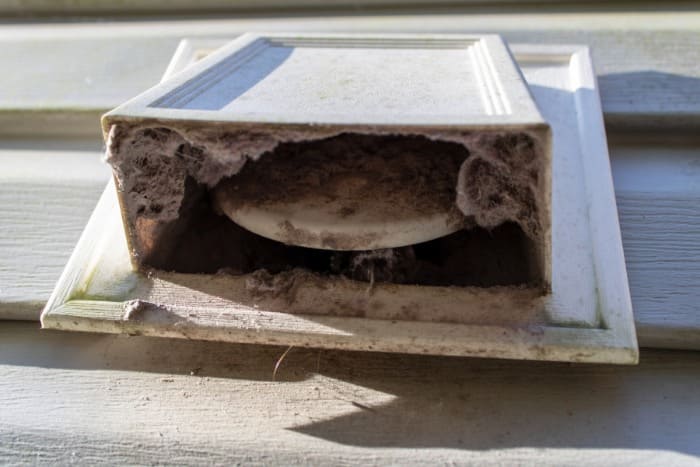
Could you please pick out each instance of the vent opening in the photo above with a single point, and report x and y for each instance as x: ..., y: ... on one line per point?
x: 203, y: 239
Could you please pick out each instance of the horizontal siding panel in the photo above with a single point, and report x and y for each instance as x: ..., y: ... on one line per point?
x: 646, y: 61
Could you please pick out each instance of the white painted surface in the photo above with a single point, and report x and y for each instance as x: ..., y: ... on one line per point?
x: 102, y: 399
x: 329, y: 77
x: 417, y: 81
x: 32, y: 8
x: 47, y: 191
x: 657, y: 169
x: 658, y: 193
x: 466, y: 81
x: 637, y: 53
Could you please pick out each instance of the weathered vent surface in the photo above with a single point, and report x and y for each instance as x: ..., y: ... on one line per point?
x: 403, y: 159
x: 438, y: 128
x: 175, y: 181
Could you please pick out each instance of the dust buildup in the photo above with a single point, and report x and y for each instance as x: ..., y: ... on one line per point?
x: 392, y: 174
x: 500, y: 181
x: 166, y: 175
x: 263, y: 283
x: 151, y: 178
x: 395, y: 265
x: 151, y: 163
x: 473, y: 257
